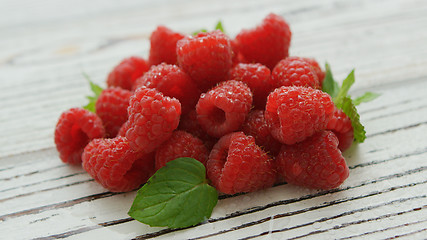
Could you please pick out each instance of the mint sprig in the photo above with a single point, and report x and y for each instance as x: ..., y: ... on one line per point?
x: 218, y: 26
x: 96, y: 89
x: 176, y: 196
x: 329, y: 85
x: 343, y: 100
x: 366, y: 97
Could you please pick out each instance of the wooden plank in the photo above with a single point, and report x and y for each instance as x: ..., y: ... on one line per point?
x: 64, y: 87
x: 379, y: 155
x: 43, y: 52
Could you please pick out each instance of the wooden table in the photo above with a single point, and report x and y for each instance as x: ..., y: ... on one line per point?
x: 46, y: 45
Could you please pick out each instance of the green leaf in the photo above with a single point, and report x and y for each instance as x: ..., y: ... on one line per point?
x: 219, y: 27
x: 343, y: 101
x: 343, y: 91
x: 367, y: 97
x: 329, y: 85
x: 176, y: 196
x: 96, y: 89
x: 350, y: 110
x: 199, y: 31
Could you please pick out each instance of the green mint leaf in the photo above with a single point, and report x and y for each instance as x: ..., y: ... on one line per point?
x: 96, y: 89
x: 176, y: 196
x: 350, y: 110
x: 367, y: 97
x: 343, y: 91
x: 330, y: 86
x: 219, y: 27
x: 91, y: 105
x: 199, y: 31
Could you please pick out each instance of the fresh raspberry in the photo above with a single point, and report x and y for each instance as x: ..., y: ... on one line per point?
x: 163, y: 46
x: 257, y: 77
x: 190, y: 124
x: 111, y: 107
x: 317, y: 69
x: 294, y: 71
x: 207, y: 58
x: 314, y: 163
x: 268, y: 43
x: 74, y: 130
x: 172, y: 81
x: 126, y: 72
x: 112, y: 163
x: 181, y: 144
x: 123, y: 129
x: 236, y: 164
x: 295, y: 113
x: 340, y: 124
x: 256, y: 126
x: 152, y: 119
x: 237, y: 55
x: 224, y: 108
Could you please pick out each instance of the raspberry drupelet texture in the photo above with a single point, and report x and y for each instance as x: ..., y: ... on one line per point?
x: 126, y: 72
x: 123, y: 129
x: 111, y: 107
x: 206, y: 57
x: 268, y: 43
x: 294, y: 71
x: 237, y: 55
x: 152, y: 119
x: 295, y: 113
x: 172, y: 81
x: 163, y: 46
x: 224, y: 108
x: 314, y: 163
x: 76, y: 127
x: 257, y: 77
x: 112, y: 163
x: 236, y: 164
x: 256, y: 126
x: 189, y: 123
x: 181, y: 144
x: 340, y: 124
x: 317, y: 69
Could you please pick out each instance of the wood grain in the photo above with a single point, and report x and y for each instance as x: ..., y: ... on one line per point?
x: 46, y: 45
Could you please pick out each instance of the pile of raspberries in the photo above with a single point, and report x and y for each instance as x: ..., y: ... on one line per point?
x: 252, y: 114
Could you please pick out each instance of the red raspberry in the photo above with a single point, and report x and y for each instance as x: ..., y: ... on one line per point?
x: 236, y: 164
x: 257, y: 77
x: 172, y: 81
x: 268, y: 43
x: 257, y: 127
x: 224, y: 108
x: 295, y: 113
x: 317, y: 69
x: 123, y: 129
x: 314, y: 163
x: 74, y: 130
x: 112, y: 163
x: 294, y: 71
x: 152, y: 119
x: 181, y: 144
x: 340, y: 124
x: 205, y: 57
x: 111, y: 107
x: 163, y: 46
x: 190, y: 124
x: 125, y: 74
x: 237, y: 56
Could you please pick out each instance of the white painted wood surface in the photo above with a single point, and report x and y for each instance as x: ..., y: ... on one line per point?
x: 46, y: 45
